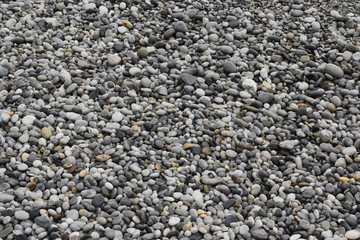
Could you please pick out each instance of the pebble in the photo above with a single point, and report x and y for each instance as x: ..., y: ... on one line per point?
x: 249, y: 84
x: 135, y: 71
x: 28, y: 120
x: 180, y: 26
x: 22, y: 215
x: 334, y: 71
x: 5, y: 198
x: 352, y: 234
x: 350, y: 151
x: 113, y: 59
x: 231, y: 154
x: 229, y: 67
x: 187, y: 78
x: 265, y: 97
x: 198, y: 198
x: 259, y: 233
x: 43, y: 221
x: 174, y: 221
x: 46, y: 133
x: 142, y: 53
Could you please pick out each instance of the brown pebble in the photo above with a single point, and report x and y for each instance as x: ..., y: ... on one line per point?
x: 188, y: 145
x: 57, y: 217
x: 206, y: 151
x: 102, y: 157
x: 31, y: 185
x: 72, y: 169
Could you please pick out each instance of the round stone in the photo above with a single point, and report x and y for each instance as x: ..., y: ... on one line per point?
x: 352, y: 234
x: 142, y: 53
x: 180, y: 26
x: 28, y: 120
x: 349, y: 151
x: 22, y: 167
x: 113, y: 59
x: 22, y: 215
x: 174, y: 221
x: 334, y: 70
x: 229, y: 67
x: 188, y: 78
x: 249, y: 84
x: 46, y: 133
x: 231, y: 154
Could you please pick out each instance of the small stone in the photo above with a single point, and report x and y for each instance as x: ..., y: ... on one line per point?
x: 113, y: 59
x: 308, y: 193
x: 22, y: 215
x: 188, y: 146
x: 43, y: 221
x: 73, y: 116
x: 304, y: 224
x: 229, y: 67
x: 304, y: 58
x: 3, y: 72
x: 135, y: 71
x: 127, y: 24
x: 90, y: 8
x: 198, y: 198
x: 316, y: 26
x: 174, y: 221
x: 180, y: 26
x: 296, y: 12
x: 188, y: 78
x: 169, y: 33
x: 98, y: 200
x: 5, y: 232
x: 142, y: 53
x: 231, y: 154
x: 335, y: 14
x: 73, y: 214
x: 249, y: 84
x: 135, y: 168
x: 5, y: 198
x: 103, y: 157
x: 122, y: 29
x: 83, y: 173
x: 103, y: 10
x: 352, y: 48
x: 229, y: 203
x: 259, y: 233
x: 356, y: 56
x: 22, y: 167
x: 344, y: 179
x: 187, y: 226
x: 28, y: 120
x: 331, y: 107
x: 117, y: 117
x: 349, y: 151
x: 288, y: 144
x: 10, y: 23
x: 230, y: 219
x: 334, y: 71
x: 46, y: 133
x: 352, y: 234
x: 266, y: 97
x: 206, y: 151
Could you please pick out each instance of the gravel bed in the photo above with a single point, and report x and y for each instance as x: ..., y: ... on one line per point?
x: 179, y: 119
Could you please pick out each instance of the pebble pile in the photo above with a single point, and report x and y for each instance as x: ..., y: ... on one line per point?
x: 146, y: 119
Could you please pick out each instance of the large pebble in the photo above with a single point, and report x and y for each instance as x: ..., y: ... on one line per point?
x: 334, y: 70
x: 352, y: 234
x: 113, y: 59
